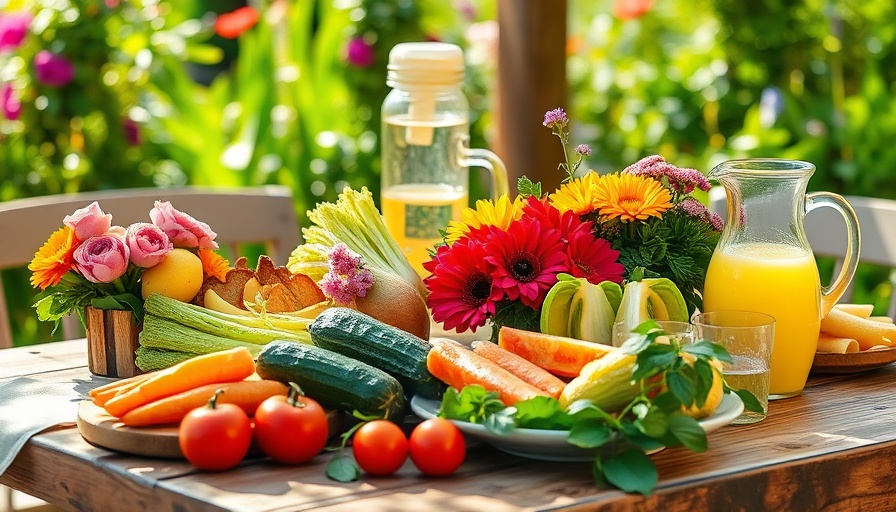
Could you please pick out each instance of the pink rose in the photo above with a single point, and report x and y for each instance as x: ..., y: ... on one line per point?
x: 102, y: 259
x: 88, y: 221
x: 10, y: 106
x: 183, y: 230
x: 148, y: 244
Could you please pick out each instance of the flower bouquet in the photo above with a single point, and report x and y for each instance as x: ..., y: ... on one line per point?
x: 88, y: 262
x: 500, y: 259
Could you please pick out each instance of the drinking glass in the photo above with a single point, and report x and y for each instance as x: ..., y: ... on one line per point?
x: 749, y: 337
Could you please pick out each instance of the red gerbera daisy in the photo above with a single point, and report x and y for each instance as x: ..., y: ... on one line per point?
x: 527, y: 258
x: 593, y: 258
x: 567, y: 222
x: 461, y: 289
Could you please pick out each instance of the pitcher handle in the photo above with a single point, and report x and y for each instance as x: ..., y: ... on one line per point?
x: 490, y: 161
x: 831, y: 294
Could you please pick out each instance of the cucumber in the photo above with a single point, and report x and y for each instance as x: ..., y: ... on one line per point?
x: 362, y: 337
x: 333, y: 379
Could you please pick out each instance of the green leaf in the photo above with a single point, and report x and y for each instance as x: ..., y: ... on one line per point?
x: 652, y: 424
x: 343, y: 468
x: 653, y: 359
x: 526, y: 187
x: 705, y: 378
x: 501, y: 422
x: 542, y: 412
x: 630, y: 471
x: 688, y: 431
x: 589, y: 433
x: 682, y: 384
x: 751, y: 403
x: 472, y: 404
x: 709, y: 350
x: 667, y: 401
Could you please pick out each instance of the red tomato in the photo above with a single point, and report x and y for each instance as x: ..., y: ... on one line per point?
x: 216, y: 436
x: 291, y: 430
x: 380, y: 447
x: 437, y: 447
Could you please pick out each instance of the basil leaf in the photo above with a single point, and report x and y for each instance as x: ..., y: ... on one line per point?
x: 653, y: 359
x: 705, y: 377
x: 688, y: 431
x: 589, y: 433
x: 667, y: 401
x: 709, y: 350
x: 653, y: 424
x: 631, y: 471
x: 751, y: 403
x: 501, y: 422
x: 682, y: 385
x: 542, y: 412
x: 343, y: 468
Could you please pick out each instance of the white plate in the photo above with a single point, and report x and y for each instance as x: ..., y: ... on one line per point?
x: 551, y: 444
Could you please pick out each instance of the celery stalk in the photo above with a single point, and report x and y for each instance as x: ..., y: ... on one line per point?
x: 355, y: 221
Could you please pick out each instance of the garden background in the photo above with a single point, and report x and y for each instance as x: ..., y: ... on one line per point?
x: 117, y: 94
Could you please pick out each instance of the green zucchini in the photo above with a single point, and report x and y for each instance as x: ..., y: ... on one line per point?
x: 332, y: 379
x: 362, y: 337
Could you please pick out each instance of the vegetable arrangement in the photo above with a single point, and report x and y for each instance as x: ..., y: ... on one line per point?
x: 641, y: 396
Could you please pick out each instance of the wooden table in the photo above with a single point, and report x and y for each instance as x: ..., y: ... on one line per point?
x: 832, y: 448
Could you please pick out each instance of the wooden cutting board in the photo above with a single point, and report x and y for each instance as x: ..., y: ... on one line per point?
x: 102, y: 430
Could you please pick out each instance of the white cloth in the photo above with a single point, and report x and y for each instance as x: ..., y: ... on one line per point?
x: 28, y: 406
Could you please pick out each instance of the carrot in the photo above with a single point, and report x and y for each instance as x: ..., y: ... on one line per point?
x: 522, y: 368
x: 217, y: 367
x: 247, y: 394
x: 119, y: 383
x: 459, y: 366
x: 557, y: 354
x: 867, y: 332
x: 100, y: 398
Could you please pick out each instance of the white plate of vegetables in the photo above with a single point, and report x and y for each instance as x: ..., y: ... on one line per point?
x: 552, y: 445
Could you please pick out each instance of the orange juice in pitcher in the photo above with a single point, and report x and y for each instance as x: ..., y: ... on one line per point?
x: 764, y: 263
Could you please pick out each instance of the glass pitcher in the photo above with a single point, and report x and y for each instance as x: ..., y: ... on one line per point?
x: 425, y: 153
x: 763, y: 261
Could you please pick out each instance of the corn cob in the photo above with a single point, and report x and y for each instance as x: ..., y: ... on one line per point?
x: 607, y: 382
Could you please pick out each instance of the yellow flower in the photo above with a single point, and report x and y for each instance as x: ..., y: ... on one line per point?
x: 577, y: 195
x: 213, y: 264
x: 631, y: 197
x: 54, y: 259
x: 486, y: 213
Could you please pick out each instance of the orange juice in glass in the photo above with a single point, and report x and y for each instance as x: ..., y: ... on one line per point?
x: 778, y: 280
x: 764, y: 263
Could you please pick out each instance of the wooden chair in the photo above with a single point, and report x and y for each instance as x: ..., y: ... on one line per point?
x: 262, y: 215
x: 827, y: 234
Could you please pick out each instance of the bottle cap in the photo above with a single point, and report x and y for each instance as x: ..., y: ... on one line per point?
x: 425, y: 63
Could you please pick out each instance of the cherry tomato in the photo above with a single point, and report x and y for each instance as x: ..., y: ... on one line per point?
x: 380, y: 447
x: 292, y: 429
x: 437, y: 447
x: 216, y: 436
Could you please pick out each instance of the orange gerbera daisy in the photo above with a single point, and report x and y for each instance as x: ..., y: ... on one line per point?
x: 54, y: 259
x: 487, y: 213
x: 630, y: 197
x: 213, y: 264
x: 577, y: 195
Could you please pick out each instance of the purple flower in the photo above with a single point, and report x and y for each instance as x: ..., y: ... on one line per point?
x: 348, y: 278
x: 13, y: 29
x: 53, y: 70
x: 359, y: 54
x: 583, y: 149
x: 9, y: 104
x: 680, y: 180
x: 556, y: 118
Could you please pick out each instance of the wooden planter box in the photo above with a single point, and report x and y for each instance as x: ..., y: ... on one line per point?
x: 112, y: 342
